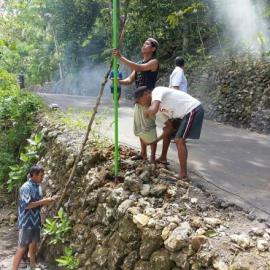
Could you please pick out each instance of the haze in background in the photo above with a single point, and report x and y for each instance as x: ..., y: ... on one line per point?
x: 245, y: 24
x: 86, y: 82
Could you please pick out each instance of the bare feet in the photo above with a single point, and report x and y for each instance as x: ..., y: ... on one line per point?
x: 182, y: 178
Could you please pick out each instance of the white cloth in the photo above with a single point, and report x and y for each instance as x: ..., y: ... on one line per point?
x: 178, y: 79
x: 174, y: 104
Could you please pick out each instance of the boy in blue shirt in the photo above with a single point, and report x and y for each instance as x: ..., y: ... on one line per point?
x: 29, y: 220
x: 120, y: 77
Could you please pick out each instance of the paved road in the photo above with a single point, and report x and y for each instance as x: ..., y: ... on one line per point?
x: 233, y: 163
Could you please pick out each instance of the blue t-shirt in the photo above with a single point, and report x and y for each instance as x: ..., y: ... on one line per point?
x: 120, y: 77
x: 29, y: 218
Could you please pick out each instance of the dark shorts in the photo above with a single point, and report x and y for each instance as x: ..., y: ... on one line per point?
x: 27, y: 236
x: 118, y: 90
x: 190, y: 126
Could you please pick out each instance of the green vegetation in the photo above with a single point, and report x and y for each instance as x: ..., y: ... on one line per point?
x: 68, y: 260
x: 57, y: 227
x: 51, y: 39
x: 28, y: 157
x: 17, y: 111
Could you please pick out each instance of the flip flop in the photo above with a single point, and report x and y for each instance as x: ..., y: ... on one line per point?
x: 137, y: 157
x: 163, y: 162
x: 22, y: 265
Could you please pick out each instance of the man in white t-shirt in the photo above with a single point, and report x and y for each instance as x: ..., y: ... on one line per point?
x: 178, y: 79
x: 185, y: 115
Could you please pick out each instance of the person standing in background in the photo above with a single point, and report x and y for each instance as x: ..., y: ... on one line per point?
x: 178, y: 79
x: 21, y: 80
x: 120, y: 77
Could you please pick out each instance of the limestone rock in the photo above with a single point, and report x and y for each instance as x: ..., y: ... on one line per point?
x: 128, y: 231
x: 12, y: 218
x: 142, y: 265
x: 166, y: 232
x: 145, y: 189
x: 117, y: 196
x: 117, y: 252
x: 100, y: 255
x: 206, y: 257
x: 151, y: 241
x: 130, y: 260
x: 213, y: 222
x: 220, y: 265
x: 181, y: 259
x: 104, y: 214
x: 262, y: 245
x: 133, y: 183
x: 160, y: 260
x: 158, y: 190
x: 242, y: 240
x: 196, y: 222
x: 197, y: 241
x: 179, y: 237
x: 171, y: 192
x: 141, y: 220
x: 92, y: 200
x: 123, y: 207
x: 145, y: 176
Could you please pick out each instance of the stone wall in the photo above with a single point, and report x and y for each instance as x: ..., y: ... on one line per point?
x: 144, y: 220
x: 236, y: 92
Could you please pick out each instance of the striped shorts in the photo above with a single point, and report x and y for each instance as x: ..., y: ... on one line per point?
x: 190, y: 126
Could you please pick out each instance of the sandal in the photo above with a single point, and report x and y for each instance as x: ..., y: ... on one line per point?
x: 137, y: 157
x: 163, y: 162
x: 22, y: 265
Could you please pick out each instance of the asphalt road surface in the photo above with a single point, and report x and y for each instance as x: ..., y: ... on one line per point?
x: 232, y: 163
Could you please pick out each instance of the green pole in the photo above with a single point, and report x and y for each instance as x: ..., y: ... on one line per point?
x: 115, y: 85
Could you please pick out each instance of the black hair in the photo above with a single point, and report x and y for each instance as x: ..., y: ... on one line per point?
x: 154, y: 43
x: 140, y: 91
x: 37, y: 169
x: 179, y: 61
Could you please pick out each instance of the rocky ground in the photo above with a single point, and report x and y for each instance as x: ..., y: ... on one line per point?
x: 8, y: 236
x: 145, y: 219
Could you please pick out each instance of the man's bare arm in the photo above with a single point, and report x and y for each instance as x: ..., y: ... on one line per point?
x: 151, y: 65
x: 153, y: 109
x: 42, y: 202
x: 129, y: 80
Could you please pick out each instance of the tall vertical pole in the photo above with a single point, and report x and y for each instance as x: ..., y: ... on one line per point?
x: 115, y: 86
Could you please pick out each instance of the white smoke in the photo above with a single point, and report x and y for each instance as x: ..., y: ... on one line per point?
x: 245, y: 24
x: 86, y: 82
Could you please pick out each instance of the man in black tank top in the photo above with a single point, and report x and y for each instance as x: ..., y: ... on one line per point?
x: 144, y: 74
x: 146, y: 78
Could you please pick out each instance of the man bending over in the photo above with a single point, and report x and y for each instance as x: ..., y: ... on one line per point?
x: 185, y: 114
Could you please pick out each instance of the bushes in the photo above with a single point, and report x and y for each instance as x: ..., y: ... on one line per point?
x: 17, y: 109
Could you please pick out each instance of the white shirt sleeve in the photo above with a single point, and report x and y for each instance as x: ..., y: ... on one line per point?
x: 157, y: 94
x: 177, y: 78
